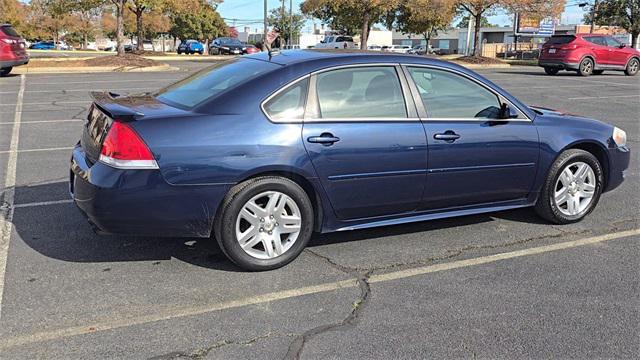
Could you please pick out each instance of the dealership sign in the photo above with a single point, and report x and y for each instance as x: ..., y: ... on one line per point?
x: 532, y: 25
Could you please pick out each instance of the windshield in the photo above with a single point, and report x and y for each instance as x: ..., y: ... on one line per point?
x: 9, y: 31
x: 208, y: 83
x: 230, y: 42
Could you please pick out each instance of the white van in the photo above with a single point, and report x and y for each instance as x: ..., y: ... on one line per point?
x: 336, y: 42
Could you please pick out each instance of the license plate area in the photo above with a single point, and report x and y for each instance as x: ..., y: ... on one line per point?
x: 552, y: 51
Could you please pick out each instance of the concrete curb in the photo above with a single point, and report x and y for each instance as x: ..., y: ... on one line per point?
x: 92, y: 69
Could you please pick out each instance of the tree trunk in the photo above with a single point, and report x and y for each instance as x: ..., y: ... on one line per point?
x: 139, y: 28
x: 634, y: 39
x: 476, y: 34
x: 120, y: 27
x: 365, y: 31
x: 85, y: 40
x: 427, y: 38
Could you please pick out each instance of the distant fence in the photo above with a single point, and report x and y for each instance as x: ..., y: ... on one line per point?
x: 524, y: 50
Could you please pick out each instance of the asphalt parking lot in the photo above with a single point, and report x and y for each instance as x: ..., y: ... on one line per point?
x: 490, y: 286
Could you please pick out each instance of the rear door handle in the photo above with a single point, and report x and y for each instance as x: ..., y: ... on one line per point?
x: 325, y: 139
x: 448, y: 135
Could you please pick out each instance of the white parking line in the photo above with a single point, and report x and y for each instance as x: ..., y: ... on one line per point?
x: 42, y: 121
x: 104, y: 81
x: 6, y: 213
x: 298, y: 292
x: 603, y: 97
x: 42, y: 203
x: 12, y: 151
x: 54, y: 102
x: 61, y: 91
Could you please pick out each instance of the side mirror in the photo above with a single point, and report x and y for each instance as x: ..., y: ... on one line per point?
x: 623, y: 46
x: 506, y: 112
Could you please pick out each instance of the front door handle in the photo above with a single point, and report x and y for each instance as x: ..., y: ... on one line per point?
x: 448, y: 136
x: 325, y: 139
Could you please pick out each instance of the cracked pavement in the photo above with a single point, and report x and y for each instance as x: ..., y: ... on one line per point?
x: 71, y: 294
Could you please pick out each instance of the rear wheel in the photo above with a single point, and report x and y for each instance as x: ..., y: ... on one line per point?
x: 598, y: 72
x: 179, y: 52
x: 572, y: 188
x: 632, y: 67
x: 586, y: 67
x: 551, y: 71
x: 5, y: 71
x: 264, y: 223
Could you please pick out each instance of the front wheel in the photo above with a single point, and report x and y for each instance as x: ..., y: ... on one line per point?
x: 586, y: 67
x: 5, y: 71
x: 632, y: 67
x: 264, y: 223
x: 572, y: 187
x: 551, y: 71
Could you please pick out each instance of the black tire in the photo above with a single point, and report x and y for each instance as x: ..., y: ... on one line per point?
x: 200, y: 52
x: 598, y: 72
x: 234, y: 201
x: 551, y: 71
x: 546, y: 206
x: 5, y: 71
x: 632, y: 67
x: 179, y: 52
x: 586, y: 67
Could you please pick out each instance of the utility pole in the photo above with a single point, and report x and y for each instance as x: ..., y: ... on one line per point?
x: 290, y: 23
x: 282, y: 17
x: 266, y: 26
x: 593, y: 15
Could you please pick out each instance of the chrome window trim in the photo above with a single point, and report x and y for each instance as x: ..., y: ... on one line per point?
x: 457, y: 72
x: 278, y: 92
x: 311, y: 115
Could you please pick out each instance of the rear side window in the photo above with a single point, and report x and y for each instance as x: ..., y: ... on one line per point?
x: 450, y: 96
x: 559, y: 40
x: 612, y: 42
x: 367, y: 92
x: 289, y: 103
x: 596, y: 40
x: 212, y: 81
x: 9, y: 31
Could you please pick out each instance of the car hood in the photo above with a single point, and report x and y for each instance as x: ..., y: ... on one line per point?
x: 568, y: 118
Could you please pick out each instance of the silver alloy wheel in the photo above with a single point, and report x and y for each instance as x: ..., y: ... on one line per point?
x: 633, y: 66
x: 586, y: 66
x: 575, y: 188
x: 268, y: 225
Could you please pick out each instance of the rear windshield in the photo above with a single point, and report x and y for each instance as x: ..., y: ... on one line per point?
x: 208, y: 83
x: 9, y: 31
x: 557, y: 40
x: 230, y: 41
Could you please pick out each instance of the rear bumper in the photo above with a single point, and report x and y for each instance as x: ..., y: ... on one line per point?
x: 140, y: 202
x: 619, y: 159
x: 558, y: 64
x: 14, y: 62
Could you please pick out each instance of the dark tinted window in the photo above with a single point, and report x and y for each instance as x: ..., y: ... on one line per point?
x: 367, y: 92
x: 451, y: 96
x: 230, y: 42
x: 288, y: 104
x: 598, y: 40
x: 209, y: 82
x: 9, y: 31
x: 612, y: 42
x: 562, y: 39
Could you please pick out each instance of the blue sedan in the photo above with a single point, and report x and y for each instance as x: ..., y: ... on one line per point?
x: 261, y: 151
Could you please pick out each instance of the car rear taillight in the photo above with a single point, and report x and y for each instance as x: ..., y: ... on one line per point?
x: 569, y: 47
x: 124, y: 149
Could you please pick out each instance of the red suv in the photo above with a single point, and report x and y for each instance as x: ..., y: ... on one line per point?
x: 12, y: 49
x: 588, y: 54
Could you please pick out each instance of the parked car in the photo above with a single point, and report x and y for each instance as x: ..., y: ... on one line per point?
x: 251, y: 49
x: 374, y: 47
x: 50, y: 45
x: 191, y: 47
x: 12, y: 49
x: 330, y: 142
x: 588, y: 54
x: 227, y: 46
x: 418, y: 50
x: 336, y: 42
x: 400, y: 49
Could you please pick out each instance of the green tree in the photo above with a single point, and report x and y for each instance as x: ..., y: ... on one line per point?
x: 203, y: 24
x: 349, y: 15
x: 425, y: 17
x: 139, y: 8
x: 119, y: 15
x: 290, y: 27
x: 57, y: 12
x: 464, y: 22
x: 622, y: 13
x: 86, y: 12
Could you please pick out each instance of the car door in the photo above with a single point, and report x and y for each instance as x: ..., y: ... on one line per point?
x: 617, y: 54
x: 474, y: 155
x: 600, y: 49
x: 366, y: 143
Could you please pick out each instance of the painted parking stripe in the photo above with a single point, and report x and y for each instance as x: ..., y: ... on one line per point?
x: 54, y: 102
x: 104, y: 81
x: 294, y: 293
x: 603, y: 97
x: 63, y: 91
x: 12, y: 151
x: 6, y: 212
x: 42, y: 121
x: 42, y: 203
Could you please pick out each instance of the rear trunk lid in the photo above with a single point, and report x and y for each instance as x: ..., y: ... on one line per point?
x: 13, y: 40
x: 108, y: 107
x: 557, y: 45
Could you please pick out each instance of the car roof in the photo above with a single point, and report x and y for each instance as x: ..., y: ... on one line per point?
x: 595, y: 35
x: 322, y: 57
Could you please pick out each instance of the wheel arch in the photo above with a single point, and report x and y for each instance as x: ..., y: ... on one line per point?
x: 634, y: 56
x: 597, y: 150
x: 590, y: 57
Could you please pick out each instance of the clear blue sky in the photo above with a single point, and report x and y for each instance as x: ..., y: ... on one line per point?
x: 249, y: 13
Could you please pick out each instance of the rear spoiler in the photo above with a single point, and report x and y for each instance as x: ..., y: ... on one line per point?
x: 110, y: 103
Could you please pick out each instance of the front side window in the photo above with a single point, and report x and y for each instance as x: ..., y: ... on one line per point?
x: 612, y: 42
x: 366, y: 92
x: 212, y: 81
x: 451, y: 96
x: 289, y: 103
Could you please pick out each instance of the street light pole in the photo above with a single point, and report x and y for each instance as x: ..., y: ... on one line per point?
x: 290, y: 23
x: 266, y: 27
x: 593, y: 15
